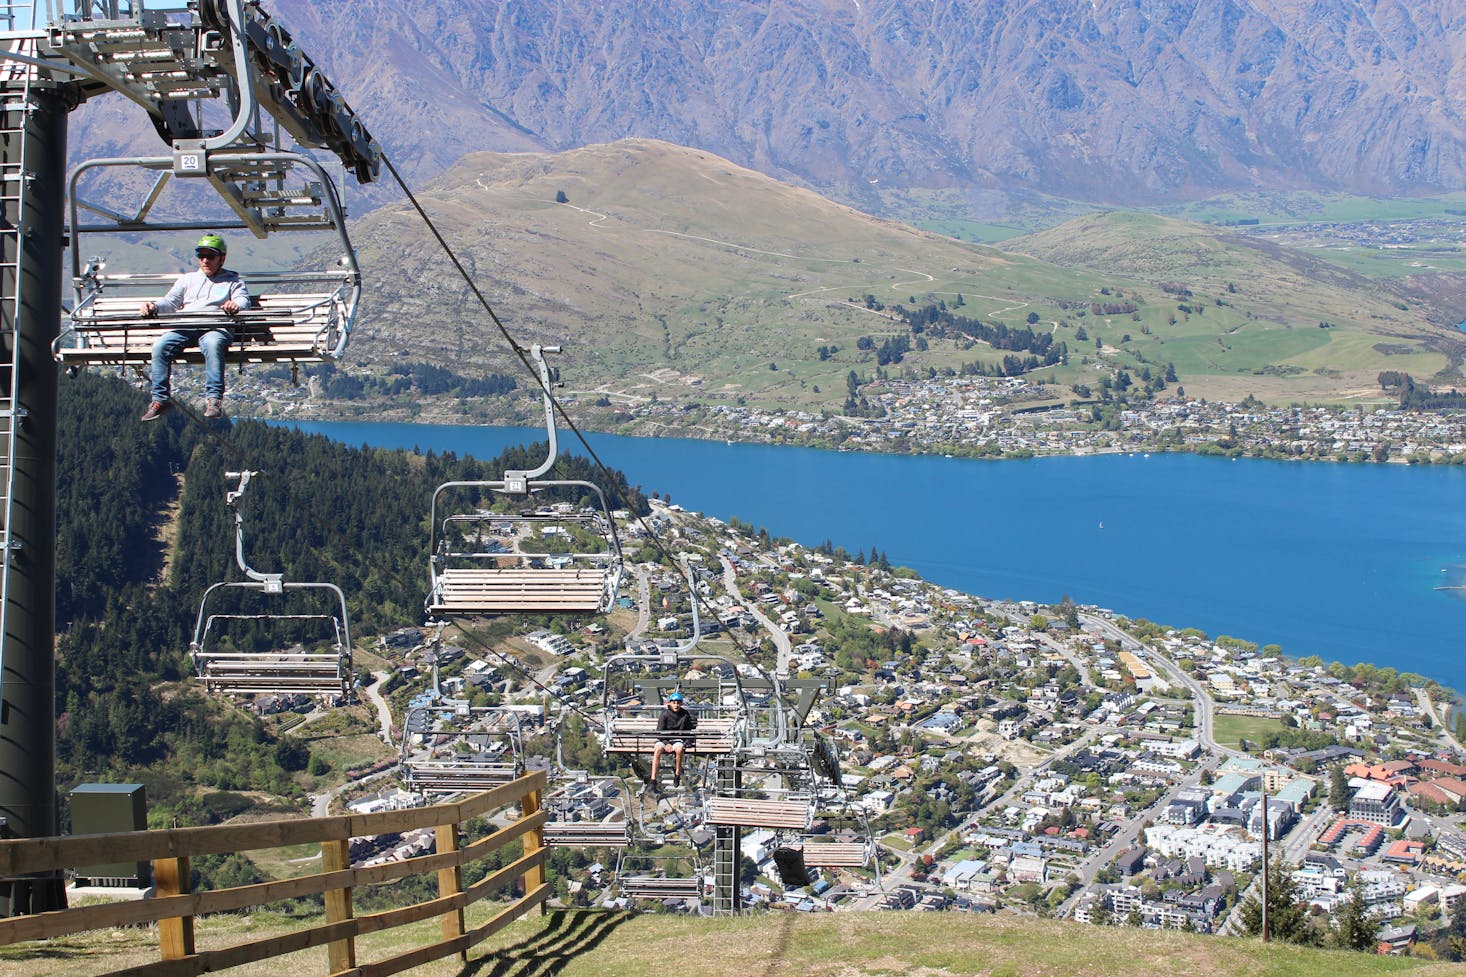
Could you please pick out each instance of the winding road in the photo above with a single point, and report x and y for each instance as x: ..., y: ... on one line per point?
x: 782, y: 643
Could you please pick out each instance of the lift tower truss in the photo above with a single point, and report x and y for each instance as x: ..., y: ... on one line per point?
x: 224, y: 84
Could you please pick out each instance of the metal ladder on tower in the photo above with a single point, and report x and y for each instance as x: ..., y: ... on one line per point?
x: 16, y: 79
x: 727, y: 839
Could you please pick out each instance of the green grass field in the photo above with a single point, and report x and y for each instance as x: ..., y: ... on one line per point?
x: 1231, y: 730
x: 1277, y: 208
x: 1396, y: 262
x: 605, y: 944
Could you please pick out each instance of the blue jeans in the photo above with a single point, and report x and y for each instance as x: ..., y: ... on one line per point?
x: 213, y: 343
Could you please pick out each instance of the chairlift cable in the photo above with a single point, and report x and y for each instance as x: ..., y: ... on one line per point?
x: 330, y: 527
x: 523, y: 355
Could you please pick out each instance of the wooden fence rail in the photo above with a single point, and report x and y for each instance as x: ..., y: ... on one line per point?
x: 175, y: 906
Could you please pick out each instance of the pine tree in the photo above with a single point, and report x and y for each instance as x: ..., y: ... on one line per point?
x: 1353, y: 926
x: 1338, y: 788
x: 1287, y: 917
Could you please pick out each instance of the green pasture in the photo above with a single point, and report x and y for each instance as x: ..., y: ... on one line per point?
x: 1231, y: 730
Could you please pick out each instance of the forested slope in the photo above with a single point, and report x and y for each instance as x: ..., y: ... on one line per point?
x: 319, y: 512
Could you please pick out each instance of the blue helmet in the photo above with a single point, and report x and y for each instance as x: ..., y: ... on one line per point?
x: 675, y: 697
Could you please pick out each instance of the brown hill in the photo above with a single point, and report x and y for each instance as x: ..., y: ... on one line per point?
x: 673, y: 272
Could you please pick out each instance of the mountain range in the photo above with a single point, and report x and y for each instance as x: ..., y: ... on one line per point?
x: 703, y: 253
x: 1114, y: 101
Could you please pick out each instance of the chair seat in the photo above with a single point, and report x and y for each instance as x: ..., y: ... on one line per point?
x: 285, y: 327
x: 758, y: 813
x: 489, y: 590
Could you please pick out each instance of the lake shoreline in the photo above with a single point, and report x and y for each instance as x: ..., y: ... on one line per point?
x: 1339, y: 561
x: 1259, y: 447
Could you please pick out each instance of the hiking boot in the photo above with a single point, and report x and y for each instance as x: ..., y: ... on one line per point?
x: 156, y: 410
x: 214, y: 407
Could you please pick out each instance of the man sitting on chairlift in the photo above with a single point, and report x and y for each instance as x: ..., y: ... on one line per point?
x: 211, y: 289
x: 674, y: 728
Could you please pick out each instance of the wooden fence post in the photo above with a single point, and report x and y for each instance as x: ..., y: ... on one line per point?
x: 534, y: 840
x: 450, y: 883
x: 175, y: 934
x: 336, y: 857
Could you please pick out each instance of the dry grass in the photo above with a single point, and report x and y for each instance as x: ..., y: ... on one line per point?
x: 668, y: 264
x: 602, y: 944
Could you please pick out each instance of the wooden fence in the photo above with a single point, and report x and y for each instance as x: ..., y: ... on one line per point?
x: 175, y: 907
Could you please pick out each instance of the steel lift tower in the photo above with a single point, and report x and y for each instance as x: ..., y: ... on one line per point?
x: 223, y: 84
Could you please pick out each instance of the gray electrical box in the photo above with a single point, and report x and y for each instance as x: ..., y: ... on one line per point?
x: 98, y: 809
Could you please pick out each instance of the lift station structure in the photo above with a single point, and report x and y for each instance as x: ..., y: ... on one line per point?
x: 235, y: 100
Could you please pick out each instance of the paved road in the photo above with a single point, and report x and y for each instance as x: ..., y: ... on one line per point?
x: 1129, y: 835
x: 1444, y: 731
x: 373, y: 694
x: 321, y: 803
x: 782, y: 643
x: 1205, y: 707
x: 902, y: 872
x: 643, y: 602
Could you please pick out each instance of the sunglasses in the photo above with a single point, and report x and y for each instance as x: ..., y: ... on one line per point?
x: 209, y: 254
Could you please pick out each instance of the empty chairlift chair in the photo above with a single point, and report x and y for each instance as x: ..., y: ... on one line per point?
x: 511, y: 553
x: 296, y: 316
x: 784, y: 811
x: 659, y: 877
x: 449, y: 749
x: 773, y: 779
x: 589, y: 813
x: 585, y: 811
x: 235, y: 617
x: 841, y: 838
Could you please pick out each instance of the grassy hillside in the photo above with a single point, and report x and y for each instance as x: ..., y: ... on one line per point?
x: 603, y: 944
x: 1280, y: 322
x: 665, y: 267
x: 670, y: 272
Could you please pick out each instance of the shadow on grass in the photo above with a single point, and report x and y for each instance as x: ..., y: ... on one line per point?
x: 781, y: 944
x: 567, y: 935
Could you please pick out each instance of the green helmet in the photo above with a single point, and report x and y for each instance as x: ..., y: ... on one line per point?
x: 213, y: 242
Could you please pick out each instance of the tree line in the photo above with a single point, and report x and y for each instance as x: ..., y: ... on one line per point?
x: 423, y: 379
x: 143, y: 530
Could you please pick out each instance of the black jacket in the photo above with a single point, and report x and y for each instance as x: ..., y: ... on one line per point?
x: 679, y: 721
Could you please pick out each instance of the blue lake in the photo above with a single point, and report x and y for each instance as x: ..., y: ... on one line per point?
x: 1342, y: 561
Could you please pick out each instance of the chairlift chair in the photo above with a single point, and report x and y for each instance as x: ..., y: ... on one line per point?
x: 640, y: 876
x: 764, y: 800
x: 770, y: 784
x: 635, y: 684
x: 845, y: 843
x: 536, y: 559
x: 575, y: 799
x: 296, y: 317
x: 575, y: 821
x: 277, y: 672
x: 233, y: 94
x: 449, y: 749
